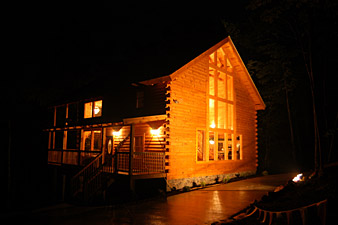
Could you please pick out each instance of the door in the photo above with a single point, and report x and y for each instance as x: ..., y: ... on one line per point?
x: 109, y: 152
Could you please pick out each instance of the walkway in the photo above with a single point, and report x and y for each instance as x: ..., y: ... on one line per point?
x: 203, y: 206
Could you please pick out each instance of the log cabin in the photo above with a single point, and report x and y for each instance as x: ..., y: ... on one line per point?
x: 196, y: 125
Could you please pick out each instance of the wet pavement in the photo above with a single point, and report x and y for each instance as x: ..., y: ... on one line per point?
x: 203, y: 206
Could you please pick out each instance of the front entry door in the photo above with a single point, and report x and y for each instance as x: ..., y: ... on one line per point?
x: 109, y: 151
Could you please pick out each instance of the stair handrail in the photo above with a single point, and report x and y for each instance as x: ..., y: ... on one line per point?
x: 117, y: 151
x: 75, y: 181
x: 121, y: 143
x: 88, y: 165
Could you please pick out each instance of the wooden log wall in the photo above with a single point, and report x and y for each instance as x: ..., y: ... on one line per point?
x: 151, y: 143
x: 187, y: 111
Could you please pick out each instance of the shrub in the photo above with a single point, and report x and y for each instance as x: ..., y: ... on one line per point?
x: 186, y: 188
x: 226, y: 179
x: 265, y: 173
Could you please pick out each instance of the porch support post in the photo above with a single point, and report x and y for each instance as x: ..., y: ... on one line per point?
x: 131, y: 151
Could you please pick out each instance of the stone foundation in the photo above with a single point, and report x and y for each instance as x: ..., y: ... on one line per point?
x: 177, y: 184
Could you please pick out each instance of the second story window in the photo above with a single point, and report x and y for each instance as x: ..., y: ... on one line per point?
x: 93, y: 109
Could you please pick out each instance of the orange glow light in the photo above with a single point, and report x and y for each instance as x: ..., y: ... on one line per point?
x: 298, y: 178
x: 155, y: 132
x: 116, y: 133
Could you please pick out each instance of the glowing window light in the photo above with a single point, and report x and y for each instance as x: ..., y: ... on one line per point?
x: 213, y: 125
x: 96, y: 110
x: 211, y: 142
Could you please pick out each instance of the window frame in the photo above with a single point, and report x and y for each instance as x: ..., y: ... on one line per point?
x: 213, y: 118
x: 204, y: 145
x: 142, y: 146
x: 92, y: 109
x: 92, y: 141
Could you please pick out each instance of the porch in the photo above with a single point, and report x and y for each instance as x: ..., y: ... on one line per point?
x: 141, y: 162
x: 101, y: 172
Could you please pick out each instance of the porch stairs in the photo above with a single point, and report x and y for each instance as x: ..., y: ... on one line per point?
x: 95, y: 178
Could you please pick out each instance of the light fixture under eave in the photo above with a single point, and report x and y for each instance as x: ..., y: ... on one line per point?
x: 155, y: 132
x: 116, y: 133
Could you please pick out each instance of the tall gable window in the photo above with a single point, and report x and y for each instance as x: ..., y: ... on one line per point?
x: 221, y: 97
x: 93, y: 109
x: 221, y: 141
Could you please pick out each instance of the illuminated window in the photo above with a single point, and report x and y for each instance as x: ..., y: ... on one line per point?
x: 211, y: 81
x: 221, y: 146
x: 230, y: 88
x: 230, y: 117
x: 200, y: 137
x: 212, y: 113
x: 229, y: 140
x: 212, y: 58
x: 238, y: 146
x: 97, y: 108
x: 221, y: 85
x: 212, y: 144
x: 92, y: 140
x: 221, y: 115
x: 223, y: 143
x: 88, y: 110
x: 87, y: 140
x: 97, y: 140
x: 93, y: 109
x: 221, y: 95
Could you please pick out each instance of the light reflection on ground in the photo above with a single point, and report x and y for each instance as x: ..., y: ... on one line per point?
x: 202, y: 206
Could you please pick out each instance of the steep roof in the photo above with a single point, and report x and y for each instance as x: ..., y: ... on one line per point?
x: 235, y: 60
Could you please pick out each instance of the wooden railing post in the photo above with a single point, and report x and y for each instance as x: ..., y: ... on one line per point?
x: 131, y: 151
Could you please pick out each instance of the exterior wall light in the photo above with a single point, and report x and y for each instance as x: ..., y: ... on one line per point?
x: 155, y: 132
x: 117, y: 131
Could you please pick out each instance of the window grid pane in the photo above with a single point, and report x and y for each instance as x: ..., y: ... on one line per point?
x: 88, y: 107
x: 212, y: 123
x: 98, y: 108
x: 230, y: 88
x: 221, y: 146
x: 221, y: 118
x: 211, y: 146
x: 200, y: 136
x: 221, y: 85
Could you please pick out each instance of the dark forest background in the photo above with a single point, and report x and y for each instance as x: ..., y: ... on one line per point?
x: 289, y: 48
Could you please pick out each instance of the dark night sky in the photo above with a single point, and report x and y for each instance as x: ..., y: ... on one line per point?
x: 65, y: 46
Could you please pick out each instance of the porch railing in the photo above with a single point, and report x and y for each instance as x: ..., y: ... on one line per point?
x: 88, y: 180
x: 72, y: 157
x: 143, y: 162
